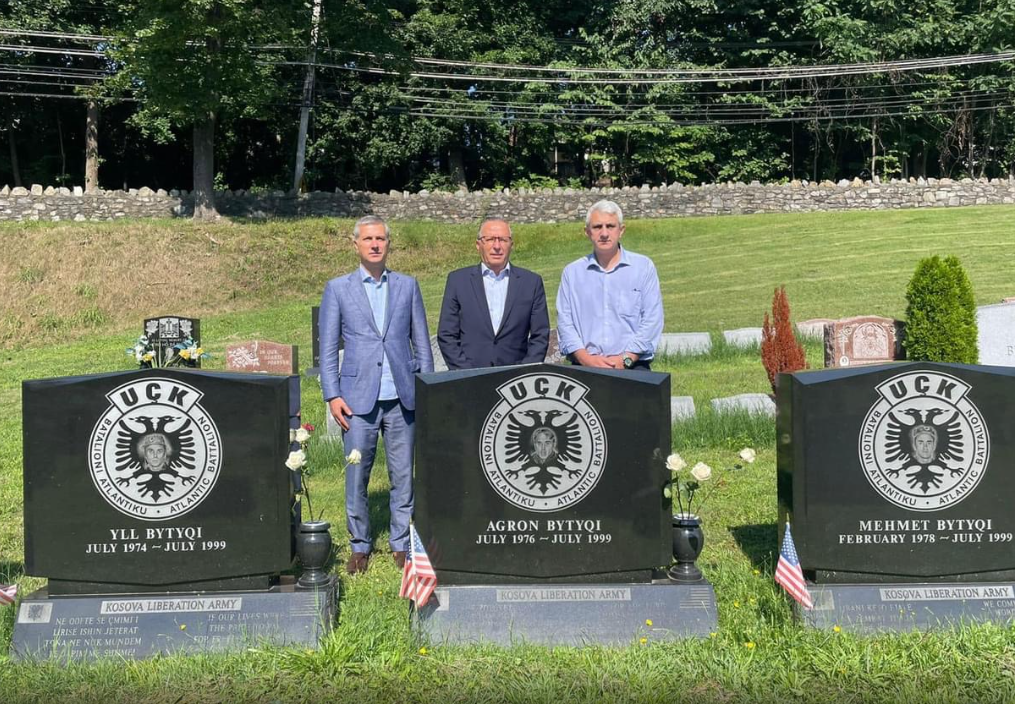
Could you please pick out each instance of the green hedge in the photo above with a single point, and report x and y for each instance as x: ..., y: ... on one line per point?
x: 941, y: 314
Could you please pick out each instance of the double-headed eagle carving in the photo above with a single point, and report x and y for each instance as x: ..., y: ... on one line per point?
x: 543, y: 446
x: 156, y: 451
x: 923, y: 443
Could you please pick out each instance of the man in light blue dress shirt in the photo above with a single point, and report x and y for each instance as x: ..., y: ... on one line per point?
x: 379, y: 313
x: 609, y: 307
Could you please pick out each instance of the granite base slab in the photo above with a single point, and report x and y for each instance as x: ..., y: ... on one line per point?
x: 568, y: 614
x: 139, y: 626
x: 878, y: 608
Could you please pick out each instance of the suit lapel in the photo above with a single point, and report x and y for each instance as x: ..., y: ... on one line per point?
x: 360, y: 296
x: 480, y: 290
x: 394, y: 288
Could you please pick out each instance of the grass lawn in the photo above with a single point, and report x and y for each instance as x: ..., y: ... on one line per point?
x: 73, y: 297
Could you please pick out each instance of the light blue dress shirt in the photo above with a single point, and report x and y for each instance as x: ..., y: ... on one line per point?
x: 610, y: 312
x: 377, y: 294
x: 496, y: 288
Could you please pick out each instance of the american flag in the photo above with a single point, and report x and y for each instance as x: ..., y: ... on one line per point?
x: 7, y: 594
x: 788, y: 574
x: 418, y: 578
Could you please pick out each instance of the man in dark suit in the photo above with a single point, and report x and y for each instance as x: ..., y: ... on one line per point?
x: 493, y: 314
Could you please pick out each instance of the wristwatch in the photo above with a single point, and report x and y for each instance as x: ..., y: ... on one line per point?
x: 628, y: 361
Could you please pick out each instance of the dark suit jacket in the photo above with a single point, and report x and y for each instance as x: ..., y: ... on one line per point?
x: 465, y: 333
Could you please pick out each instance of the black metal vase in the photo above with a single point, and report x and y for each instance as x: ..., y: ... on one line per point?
x: 688, y: 540
x: 313, y: 546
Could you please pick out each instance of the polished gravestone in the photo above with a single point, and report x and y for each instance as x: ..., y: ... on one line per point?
x: 166, y: 331
x: 897, y: 482
x: 539, y: 497
x: 315, y: 342
x: 158, y: 505
x: 262, y: 357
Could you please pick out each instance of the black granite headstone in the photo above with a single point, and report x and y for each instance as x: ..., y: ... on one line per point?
x: 546, y: 472
x: 315, y: 337
x: 550, y: 476
x: 900, y: 475
x: 166, y: 331
x: 158, y: 484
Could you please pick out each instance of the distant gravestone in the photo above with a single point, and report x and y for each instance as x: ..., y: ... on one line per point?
x: 541, y: 508
x: 742, y: 337
x: 896, y: 482
x: 262, y: 357
x: 750, y: 403
x: 685, y: 343
x: 162, y: 518
x: 166, y: 331
x: 681, y: 408
x: 869, y: 339
x: 439, y: 365
x: 996, y: 334
x: 553, y: 355
x: 814, y: 328
x: 315, y: 342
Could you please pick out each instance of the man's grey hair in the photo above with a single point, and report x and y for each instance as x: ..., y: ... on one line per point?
x: 369, y: 220
x: 479, y: 233
x: 605, y: 206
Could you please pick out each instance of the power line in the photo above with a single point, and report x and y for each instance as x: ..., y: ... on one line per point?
x: 697, y: 122
x: 31, y: 49
x: 695, y: 77
x: 55, y: 35
x: 898, y: 65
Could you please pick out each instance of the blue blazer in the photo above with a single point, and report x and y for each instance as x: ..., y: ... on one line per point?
x: 345, y: 313
x: 466, y: 335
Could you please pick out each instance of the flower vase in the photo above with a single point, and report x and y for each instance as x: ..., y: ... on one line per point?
x: 313, y: 546
x: 688, y: 540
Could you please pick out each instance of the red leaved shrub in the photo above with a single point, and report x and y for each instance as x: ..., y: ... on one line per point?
x: 780, y: 351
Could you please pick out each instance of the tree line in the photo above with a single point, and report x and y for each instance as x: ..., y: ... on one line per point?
x: 449, y: 94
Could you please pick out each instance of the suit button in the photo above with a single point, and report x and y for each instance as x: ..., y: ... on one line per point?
x: 380, y: 364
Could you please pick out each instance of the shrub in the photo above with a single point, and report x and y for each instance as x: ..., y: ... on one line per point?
x: 780, y: 351
x: 941, y: 313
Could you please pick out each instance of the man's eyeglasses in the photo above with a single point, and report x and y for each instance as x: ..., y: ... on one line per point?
x: 495, y: 240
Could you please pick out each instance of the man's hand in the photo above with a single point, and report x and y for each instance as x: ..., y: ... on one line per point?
x: 586, y: 359
x: 617, y: 360
x: 340, y: 411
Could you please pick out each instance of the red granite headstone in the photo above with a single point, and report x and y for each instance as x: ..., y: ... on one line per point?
x: 865, y: 339
x: 262, y: 356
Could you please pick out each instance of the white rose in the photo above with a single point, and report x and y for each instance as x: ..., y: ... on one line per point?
x: 138, y: 349
x: 675, y: 462
x: 137, y: 356
x: 748, y: 455
x: 355, y: 457
x: 701, y: 472
x: 302, y: 435
x: 297, y: 459
x: 292, y: 435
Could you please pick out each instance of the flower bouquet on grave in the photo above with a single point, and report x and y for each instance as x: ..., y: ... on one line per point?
x: 688, y: 538
x: 313, y: 542
x: 186, y: 353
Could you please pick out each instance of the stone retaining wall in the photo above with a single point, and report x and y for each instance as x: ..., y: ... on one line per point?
x: 525, y: 205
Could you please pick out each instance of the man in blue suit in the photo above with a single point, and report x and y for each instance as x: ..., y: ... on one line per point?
x: 379, y: 313
x: 493, y: 314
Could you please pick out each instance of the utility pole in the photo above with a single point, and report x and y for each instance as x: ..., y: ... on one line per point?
x: 308, y: 97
